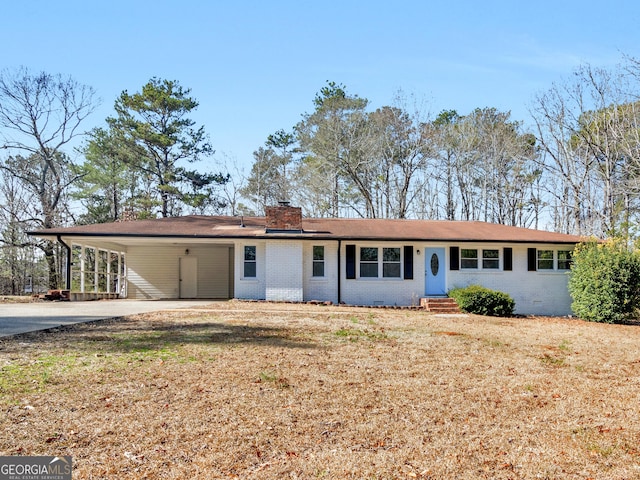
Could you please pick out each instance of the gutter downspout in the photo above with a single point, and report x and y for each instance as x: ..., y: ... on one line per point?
x: 339, y: 274
x: 68, y: 248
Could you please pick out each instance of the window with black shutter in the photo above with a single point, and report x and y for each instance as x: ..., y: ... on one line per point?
x: 532, y: 259
x: 508, y: 259
x: 408, y: 262
x: 350, y: 261
x: 454, y: 258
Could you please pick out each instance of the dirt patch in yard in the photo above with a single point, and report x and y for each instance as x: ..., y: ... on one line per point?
x: 251, y: 390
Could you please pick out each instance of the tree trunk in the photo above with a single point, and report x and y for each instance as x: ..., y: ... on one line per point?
x: 54, y: 275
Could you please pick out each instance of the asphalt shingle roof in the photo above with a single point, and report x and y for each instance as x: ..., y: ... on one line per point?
x: 194, y: 226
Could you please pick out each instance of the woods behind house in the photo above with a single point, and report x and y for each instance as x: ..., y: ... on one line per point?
x: 573, y: 168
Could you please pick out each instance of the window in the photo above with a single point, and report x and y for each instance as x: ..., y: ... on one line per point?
x: 383, y: 262
x: 559, y: 260
x: 368, y: 262
x: 250, y: 261
x: 475, y: 259
x: 490, y: 259
x: 545, y: 259
x: 468, y: 258
x: 564, y: 259
x: 318, y: 261
x: 391, y: 262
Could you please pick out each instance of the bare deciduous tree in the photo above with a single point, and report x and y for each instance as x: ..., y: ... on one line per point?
x: 588, y: 129
x: 40, y: 114
x: 403, y: 146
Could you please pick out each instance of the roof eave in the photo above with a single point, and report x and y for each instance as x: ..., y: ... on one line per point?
x: 53, y: 235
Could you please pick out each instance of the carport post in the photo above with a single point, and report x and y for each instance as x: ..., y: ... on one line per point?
x: 68, y: 275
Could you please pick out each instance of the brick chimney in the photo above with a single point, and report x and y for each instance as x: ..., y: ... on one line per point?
x: 284, y: 218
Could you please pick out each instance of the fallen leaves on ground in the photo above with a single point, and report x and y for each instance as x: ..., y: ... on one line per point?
x: 250, y: 390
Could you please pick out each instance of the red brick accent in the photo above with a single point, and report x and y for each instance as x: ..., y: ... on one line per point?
x: 284, y: 218
x: 440, y: 305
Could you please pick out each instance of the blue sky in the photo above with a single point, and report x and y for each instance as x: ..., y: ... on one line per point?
x: 255, y: 66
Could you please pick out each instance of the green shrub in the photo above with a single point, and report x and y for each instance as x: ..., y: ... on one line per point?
x: 605, y: 281
x: 483, y: 301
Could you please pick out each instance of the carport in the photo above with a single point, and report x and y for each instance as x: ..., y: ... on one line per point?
x: 166, y: 265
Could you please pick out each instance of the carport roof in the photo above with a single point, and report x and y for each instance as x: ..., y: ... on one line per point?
x: 220, y: 227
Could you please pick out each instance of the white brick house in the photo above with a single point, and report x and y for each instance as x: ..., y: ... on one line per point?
x: 284, y: 257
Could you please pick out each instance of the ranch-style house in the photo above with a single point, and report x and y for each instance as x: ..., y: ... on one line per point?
x: 285, y: 257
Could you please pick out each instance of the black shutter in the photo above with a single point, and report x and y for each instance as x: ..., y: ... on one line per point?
x: 531, y: 259
x: 351, y: 261
x: 408, y: 262
x: 508, y: 259
x: 454, y: 258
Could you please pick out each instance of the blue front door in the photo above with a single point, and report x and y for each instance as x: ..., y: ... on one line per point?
x: 434, y: 269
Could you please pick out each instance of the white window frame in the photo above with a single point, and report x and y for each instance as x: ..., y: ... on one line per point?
x: 315, y: 261
x: 555, y: 260
x: 568, y: 260
x: 545, y: 259
x: 469, y: 260
x: 380, y: 262
x: 478, y: 262
x: 375, y: 262
x: 490, y: 259
x: 391, y: 263
x: 250, y: 261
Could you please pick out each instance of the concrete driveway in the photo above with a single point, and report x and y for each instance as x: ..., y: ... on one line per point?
x: 28, y: 317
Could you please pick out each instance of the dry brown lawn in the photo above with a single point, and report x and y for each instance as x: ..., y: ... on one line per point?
x: 259, y: 390
x: 15, y: 299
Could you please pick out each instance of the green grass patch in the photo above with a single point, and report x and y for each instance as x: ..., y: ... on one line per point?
x: 602, y: 450
x: 369, y: 319
x: 564, y: 345
x: 354, y: 334
x: 277, y: 380
x: 34, y: 377
x: 551, y: 361
x: 147, y: 346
